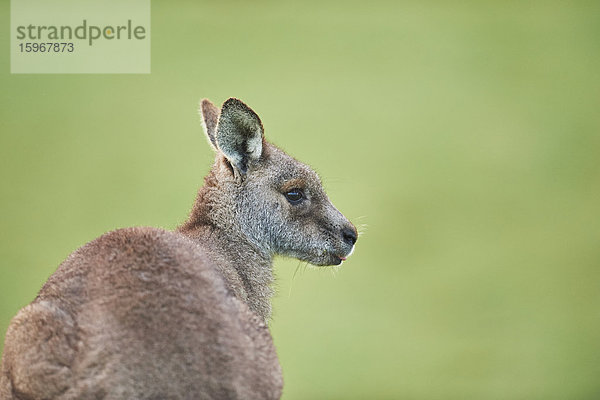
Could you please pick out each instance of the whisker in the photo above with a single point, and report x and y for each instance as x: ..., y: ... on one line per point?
x: 293, y: 278
x: 361, y: 228
x: 335, y: 269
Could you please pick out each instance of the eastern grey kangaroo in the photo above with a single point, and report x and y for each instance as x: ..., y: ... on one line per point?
x: 145, y: 313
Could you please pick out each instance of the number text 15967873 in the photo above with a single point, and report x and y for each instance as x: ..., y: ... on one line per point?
x: 46, y: 47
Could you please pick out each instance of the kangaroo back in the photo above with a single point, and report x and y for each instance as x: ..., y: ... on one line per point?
x: 139, y: 313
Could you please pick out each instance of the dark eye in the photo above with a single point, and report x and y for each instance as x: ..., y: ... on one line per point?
x: 294, y: 196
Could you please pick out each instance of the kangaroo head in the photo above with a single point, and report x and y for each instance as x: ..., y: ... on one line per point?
x: 277, y: 202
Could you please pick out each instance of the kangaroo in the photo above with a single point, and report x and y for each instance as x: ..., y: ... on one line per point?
x: 146, y: 313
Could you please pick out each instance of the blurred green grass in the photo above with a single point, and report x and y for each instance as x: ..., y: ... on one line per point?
x: 465, y: 136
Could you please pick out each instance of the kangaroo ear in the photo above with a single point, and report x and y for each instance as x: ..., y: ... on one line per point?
x: 239, y: 134
x: 209, y: 114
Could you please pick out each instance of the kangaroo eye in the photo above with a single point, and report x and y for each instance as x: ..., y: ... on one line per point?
x: 294, y: 196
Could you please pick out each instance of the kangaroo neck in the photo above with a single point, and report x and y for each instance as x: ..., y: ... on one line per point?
x: 246, y: 269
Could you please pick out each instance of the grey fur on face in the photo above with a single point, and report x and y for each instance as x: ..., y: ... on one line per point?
x: 313, y: 230
x: 149, y: 313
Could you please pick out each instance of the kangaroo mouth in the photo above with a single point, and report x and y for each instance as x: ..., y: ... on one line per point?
x: 344, y: 258
x: 322, y: 257
x: 335, y: 258
x: 339, y: 261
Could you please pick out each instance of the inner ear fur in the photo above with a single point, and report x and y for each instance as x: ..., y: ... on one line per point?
x: 239, y: 134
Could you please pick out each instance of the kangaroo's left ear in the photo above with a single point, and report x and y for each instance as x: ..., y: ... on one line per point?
x: 239, y: 134
x: 209, y: 115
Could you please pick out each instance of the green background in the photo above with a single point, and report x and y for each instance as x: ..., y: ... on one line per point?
x: 464, y: 139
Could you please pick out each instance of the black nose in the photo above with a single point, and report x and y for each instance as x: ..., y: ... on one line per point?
x: 349, y: 236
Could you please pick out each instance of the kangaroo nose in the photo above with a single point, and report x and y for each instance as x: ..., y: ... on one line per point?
x: 349, y: 235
